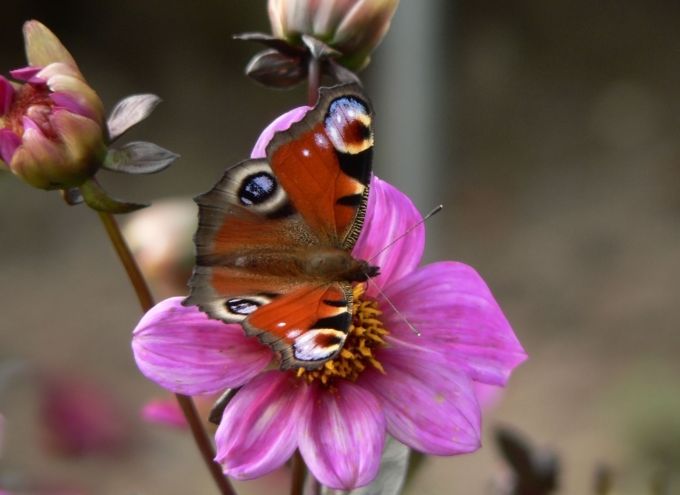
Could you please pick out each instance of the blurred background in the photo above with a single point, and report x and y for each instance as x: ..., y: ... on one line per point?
x: 550, y: 132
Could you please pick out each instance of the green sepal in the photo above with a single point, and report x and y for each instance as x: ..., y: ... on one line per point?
x: 96, y: 198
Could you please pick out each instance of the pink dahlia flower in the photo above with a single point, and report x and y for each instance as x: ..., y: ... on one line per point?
x: 419, y: 389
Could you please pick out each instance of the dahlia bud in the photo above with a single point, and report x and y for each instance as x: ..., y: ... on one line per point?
x: 53, y: 133
x: 52, y: 130
x: 352, y: 27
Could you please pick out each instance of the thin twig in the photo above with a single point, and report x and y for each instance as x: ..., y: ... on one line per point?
x: 146, y: 302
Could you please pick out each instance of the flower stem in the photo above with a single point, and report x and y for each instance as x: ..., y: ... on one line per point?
x: 123, y: 251
x: 146, y: 302
x: 299, y: 471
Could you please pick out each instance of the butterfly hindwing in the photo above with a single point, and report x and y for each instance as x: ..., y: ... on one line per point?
x: 307, y: 326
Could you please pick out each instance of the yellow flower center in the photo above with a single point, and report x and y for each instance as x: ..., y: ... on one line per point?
x: 366, y: 334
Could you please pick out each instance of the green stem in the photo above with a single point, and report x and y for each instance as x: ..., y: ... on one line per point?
x: 146, y: 302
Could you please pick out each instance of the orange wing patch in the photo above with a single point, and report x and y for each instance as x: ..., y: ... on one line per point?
x: 324, y: 165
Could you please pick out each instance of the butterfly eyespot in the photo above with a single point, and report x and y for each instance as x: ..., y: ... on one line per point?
x: 241, y: 306
x: 237, y: 309
x: 348, y: 125
x: 318, y: 345
x: 257, y: 188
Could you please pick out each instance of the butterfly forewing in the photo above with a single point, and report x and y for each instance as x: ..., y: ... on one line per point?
x: 324, y: 164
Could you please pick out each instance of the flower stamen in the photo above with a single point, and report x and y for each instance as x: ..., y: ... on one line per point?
x: 366, y: 334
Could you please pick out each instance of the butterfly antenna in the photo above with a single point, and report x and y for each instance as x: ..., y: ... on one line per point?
x: 432, y: 213
x: 394, y: 308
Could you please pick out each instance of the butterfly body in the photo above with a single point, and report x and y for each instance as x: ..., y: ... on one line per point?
x: 275, y: 235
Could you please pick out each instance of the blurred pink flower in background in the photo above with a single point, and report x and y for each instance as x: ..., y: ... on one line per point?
x: 80, y: 417
x: 419, y: 389
x: 160, y: 238
x: 164, y: 411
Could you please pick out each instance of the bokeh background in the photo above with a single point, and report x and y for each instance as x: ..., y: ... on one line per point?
x: 550, y: 132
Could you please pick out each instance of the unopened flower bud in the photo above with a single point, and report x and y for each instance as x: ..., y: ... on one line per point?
x: 352, y: 27
x: 51, y: 122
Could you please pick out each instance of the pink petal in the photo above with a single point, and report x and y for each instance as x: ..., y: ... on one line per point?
x: 429, y: 404
x: 281, y: 123
x: 165, y: 412
x: 6, y: 95
x: 73, y: 105
x: 258, y: 430
x: 454, y: 310
x: 30, y: 124
x: 390, y: 213
x: 9, y: 142
x: 184, y: 351
x: 26, y: 74
x: 342, y: 436
x: 80, y: 417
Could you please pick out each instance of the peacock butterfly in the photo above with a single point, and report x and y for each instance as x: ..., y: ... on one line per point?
x: 275, y: 235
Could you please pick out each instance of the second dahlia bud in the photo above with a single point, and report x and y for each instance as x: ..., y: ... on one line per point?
x: 352, y: 27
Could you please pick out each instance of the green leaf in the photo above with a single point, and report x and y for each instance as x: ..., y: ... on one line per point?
x: 139, y: 157
x: 130, y: 111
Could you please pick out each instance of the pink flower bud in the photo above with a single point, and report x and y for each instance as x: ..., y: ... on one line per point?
x: 353, y: 27
x: 51, y: 123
